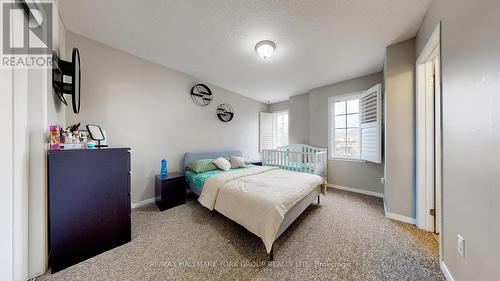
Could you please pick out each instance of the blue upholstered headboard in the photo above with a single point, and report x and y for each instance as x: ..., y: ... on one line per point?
x: 191, y: 156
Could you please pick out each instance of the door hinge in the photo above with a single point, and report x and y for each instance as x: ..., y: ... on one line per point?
x: 432, y: 212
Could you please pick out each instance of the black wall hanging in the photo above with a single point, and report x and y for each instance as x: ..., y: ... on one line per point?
x: 71, y: 69
x: 225, y: 112
x: 201, y: 94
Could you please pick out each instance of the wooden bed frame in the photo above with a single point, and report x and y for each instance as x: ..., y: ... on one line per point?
x: 290, y: 216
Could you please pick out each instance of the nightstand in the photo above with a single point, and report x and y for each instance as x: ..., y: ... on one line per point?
x: 257, y: 163
x: 171, y: 191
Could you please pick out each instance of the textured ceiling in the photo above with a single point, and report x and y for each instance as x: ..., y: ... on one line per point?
x: 318, y: 42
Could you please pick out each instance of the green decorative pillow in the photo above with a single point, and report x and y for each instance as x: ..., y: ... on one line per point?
x: 201, y: 165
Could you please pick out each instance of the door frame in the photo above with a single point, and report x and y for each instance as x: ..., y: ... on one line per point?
x: 428, y: 159
x: 15, y: 163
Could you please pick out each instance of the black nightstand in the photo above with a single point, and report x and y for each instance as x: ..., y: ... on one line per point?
x: 257, y: 163
x: 171, y: 191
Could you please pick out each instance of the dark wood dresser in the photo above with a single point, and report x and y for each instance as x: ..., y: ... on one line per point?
x: 89, y: 203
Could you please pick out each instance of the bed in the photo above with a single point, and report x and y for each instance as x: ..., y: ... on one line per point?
x: 264, y: 200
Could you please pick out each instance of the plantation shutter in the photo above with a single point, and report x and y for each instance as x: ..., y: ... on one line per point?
x: 266, y: 131
x: 370, y: 108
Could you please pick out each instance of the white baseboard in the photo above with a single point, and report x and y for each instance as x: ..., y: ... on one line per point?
x: 445, y: 271
x: 138, y: 204
x: 397, y: 217
x: 357, y: 190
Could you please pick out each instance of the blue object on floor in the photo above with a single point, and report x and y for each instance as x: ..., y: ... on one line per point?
x: 163, y: 173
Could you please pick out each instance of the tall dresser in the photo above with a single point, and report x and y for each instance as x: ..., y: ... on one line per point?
x: 89, y: 203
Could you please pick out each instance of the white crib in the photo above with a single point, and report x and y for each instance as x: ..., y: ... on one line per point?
x: 297, y: 157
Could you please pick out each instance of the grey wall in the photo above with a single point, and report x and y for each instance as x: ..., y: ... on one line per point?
x: 359, y: 175
x: 279, y: 106
x: 148, y: 107
x: 298, y: 112
x: 399, y: 117
x: 470, y: 44
x: 299, y: 119
x: 308, y: 117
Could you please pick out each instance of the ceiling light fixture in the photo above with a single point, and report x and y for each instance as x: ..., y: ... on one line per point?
x: 265, y: 49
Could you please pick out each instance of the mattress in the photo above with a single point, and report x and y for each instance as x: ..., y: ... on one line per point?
x: 259, y: 198
x: 198, y: 179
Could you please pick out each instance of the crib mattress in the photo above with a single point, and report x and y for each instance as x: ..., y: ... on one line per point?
x: 295, y: 166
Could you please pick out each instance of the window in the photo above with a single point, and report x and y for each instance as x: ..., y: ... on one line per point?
x: 273, y: 130
x: 281, y: 128
x: 355, y: 126
x: 345, y: 127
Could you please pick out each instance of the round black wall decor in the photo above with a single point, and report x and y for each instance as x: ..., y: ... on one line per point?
x: 225, y: 112
x: 201, y: 94
x: 71, y: 69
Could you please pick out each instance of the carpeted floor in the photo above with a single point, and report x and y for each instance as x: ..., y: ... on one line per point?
x: 347, y: 237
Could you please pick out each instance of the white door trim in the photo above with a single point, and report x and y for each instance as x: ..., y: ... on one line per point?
x: 425, y: 163
x: 438, y: 164
x: 6, y: 177
x: 425, y: 192
x: 14, y: 165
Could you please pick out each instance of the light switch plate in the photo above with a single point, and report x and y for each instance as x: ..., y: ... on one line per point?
x: 461, y: 245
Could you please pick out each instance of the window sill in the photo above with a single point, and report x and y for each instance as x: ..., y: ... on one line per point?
x: 346, y: 159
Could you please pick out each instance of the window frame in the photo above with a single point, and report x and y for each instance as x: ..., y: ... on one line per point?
x: 331, y: 127
x: 275, y: 127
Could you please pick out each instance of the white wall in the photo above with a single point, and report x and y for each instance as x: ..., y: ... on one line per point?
x: 23, y: 170
x: 56, y: 113
x: 470, y: 45
x: 399, y: 120
x: 44, y: 109
x: 148, y: 107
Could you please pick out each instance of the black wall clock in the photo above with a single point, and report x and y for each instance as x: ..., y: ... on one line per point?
x: 201, y: 94
x: 225, y: 112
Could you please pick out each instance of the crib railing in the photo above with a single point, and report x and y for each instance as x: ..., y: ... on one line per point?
x: 297, y: 157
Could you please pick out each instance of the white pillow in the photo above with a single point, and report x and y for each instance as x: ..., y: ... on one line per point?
x: 237, y: 162
x: 222, y: 163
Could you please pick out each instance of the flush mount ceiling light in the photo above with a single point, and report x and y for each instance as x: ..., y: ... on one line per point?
x: 265, y: 49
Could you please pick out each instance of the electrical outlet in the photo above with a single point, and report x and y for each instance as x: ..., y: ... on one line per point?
x: 461, y: 245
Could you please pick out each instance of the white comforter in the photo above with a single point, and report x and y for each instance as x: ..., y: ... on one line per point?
x: 259, y: 197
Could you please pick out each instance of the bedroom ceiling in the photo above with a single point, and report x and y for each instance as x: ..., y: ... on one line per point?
x: 317, y: 42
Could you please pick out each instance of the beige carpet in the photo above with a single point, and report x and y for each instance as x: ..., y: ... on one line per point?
x: 347, y: 237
